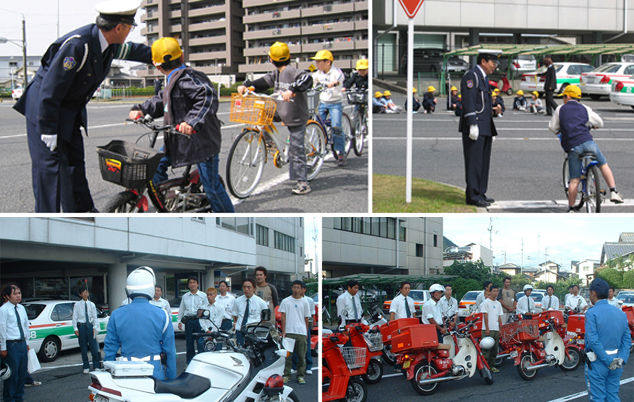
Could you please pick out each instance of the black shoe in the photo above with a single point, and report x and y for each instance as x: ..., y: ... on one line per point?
x: 489, y: 200
x: 479, y: 203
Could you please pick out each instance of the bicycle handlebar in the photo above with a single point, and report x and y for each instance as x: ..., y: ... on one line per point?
x: 147, y: 122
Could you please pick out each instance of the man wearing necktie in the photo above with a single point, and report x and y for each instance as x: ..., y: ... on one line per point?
x: 402, y: 306
x: 551, y: 302
x: 14, y: 344
x: 84, y: 323
x: 247, y: 309
x: 477, y: 128
x: 54, y: 103
x: 349, y: 304
x: 526, y: 304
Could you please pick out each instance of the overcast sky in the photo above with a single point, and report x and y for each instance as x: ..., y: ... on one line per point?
x: 567, y: 238
x: 41, y: 22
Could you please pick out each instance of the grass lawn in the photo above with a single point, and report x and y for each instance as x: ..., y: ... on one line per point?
x: 388, y: 195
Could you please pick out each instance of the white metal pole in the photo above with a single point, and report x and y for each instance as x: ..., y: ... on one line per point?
x: 410, y: 85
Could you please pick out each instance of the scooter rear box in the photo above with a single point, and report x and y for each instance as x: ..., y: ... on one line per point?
x: 629, y: 313
x: 546, y: 315
x: 388, y: 328
x: 129, y: 369
x: 577, y: 324
x: 480, y: 321
x: 419, y: 336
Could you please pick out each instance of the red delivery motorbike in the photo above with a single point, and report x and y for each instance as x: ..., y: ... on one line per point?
x: 386, y: 331
x: 338, y: 382
x: 371, y: 342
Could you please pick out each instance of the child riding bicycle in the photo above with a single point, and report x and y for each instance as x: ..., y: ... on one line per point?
x: 188, y: 99
x: 331, y: 101
x: 574, y: 120
x: 291, y: 82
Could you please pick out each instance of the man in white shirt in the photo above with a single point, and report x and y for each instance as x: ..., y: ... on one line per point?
x: 613, y: 300
x: 449, y: 306
x: 484, y: 295
x: 247, y: 309
x: 492, y: 310
x: 14, y: 341
x: 349, y: 304
x: 526, y: 304
x: 159, y: 302
x: 402, y: 305
x: 575, y: 301
x: 431, y: 311
x: 85, y: 326
x: 225, y: 299
x: 188, y: 314
x: 295, y: 313
x: 568, y: 294
x: 311, y: 321
x: 550, y: 302
x: 213, y: 321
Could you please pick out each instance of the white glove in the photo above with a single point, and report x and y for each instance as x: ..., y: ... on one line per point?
x: 474, y: 132
x: 616, y: 364
x: 232, y: 331
x: 50, y: 141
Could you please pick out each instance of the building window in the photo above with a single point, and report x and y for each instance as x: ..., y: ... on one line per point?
x: 346, y: 224
x: 301, y: 222
x: 262, y: 235
x: 382, y: 227
x: 301, y: 251
x: 240, y: 225
x: 197, y: 219
x: 435, y: 240
x: 391, y: 228
x: 284, y: 242
x: 419, y: 250
x: 243, y: 226
x: 357, y: 224
x: 229, y: 223
x: 337, y: 223
x: 402, y: 233
x: 367, y: 226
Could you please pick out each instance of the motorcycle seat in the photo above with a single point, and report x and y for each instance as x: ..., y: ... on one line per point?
x: 540, y: 339
x: 186, y: 386
x: 443, y: 346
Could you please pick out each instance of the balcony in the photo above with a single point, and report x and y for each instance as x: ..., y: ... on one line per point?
x: 264, y: 51
x: 276, y: 16
x: 361, y: 6
x: 361, y: 45
x: 208, y: 40
x: 207, y: 11
x: 174, y: 14
x: 175, y: 28
x: 255, y: 3
x: 208, y: 55
x: 204, y: 26
x: 361, y: 25
x: 272, y: 33
x: 262, y: 68
x: 145, y: 17
x: 336, y: 27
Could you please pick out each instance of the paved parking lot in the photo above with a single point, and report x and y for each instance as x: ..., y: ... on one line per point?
x: 526, y: 161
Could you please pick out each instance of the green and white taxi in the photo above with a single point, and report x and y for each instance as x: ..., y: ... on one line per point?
x: 566, y: 73
x: 622, y: 91
x: 599, y: 81
x: 51, y: 327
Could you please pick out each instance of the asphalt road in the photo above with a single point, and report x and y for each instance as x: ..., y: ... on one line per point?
x: 550, y: 384
x: 333, y: 190
x: 526, y: 161
x: 63, y: 380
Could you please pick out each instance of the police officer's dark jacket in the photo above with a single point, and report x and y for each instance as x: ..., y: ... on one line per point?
x: 188, y: 97
x: 71, y: 70
x: 476, y: 104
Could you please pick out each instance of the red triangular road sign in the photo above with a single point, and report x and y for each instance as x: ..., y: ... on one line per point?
x: 411, y: 7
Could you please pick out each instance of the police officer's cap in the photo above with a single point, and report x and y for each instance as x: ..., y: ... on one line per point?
x: 118, y: 10
x: 488, y: 54
x: 600, y: 286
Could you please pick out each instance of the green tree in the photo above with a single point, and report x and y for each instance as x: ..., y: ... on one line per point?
x: 628, y: 280
x: 461, y: 286
x: 612, y: 276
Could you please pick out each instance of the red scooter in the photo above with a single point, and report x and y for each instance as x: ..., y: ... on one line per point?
x: 338, y: 382
x: 371, y: 341
x: 506, y: 85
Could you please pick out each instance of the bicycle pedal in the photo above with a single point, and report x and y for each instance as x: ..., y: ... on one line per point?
x: 603, y: 192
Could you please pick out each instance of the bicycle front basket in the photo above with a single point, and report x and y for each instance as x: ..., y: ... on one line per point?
x: 127, y: 164
x: 357, y: 98
x: 252, y: 109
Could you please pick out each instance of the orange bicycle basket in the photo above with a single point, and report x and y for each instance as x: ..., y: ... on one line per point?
x: 252, y: 109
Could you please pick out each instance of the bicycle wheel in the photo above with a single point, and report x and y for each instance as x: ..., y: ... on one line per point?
x: 245, y: 163
x: 124, y: 202
x: 315, y: 149
x: 360, y: 131
x: 566, y: 179
x: 178, y: 195
x: 346, y: 130
x: 593, y: 190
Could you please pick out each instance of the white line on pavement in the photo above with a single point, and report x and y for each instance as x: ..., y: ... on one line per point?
x: 546, y: 203
x: 496, y: 139
x: 584, y: 393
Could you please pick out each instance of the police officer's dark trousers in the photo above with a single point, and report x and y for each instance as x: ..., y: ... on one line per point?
x: 59, y: 177
x: 86, y: 341
x: 17, y: 359
x: 190, y: 327
x: 477, y: 157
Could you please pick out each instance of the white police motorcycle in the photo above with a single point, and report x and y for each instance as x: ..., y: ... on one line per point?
x: 222, y: 376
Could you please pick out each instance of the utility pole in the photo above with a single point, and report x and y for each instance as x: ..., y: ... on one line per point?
x: 522, y: 263
x: 26, y: 76
x: 538, y: 237
x: 315, y: 238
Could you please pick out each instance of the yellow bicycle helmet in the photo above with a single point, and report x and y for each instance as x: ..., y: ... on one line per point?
x: 279, y: 51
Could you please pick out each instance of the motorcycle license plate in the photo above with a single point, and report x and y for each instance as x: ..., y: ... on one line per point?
x: 99, y: 398
x: 514, y: 354
x: 407, y: 364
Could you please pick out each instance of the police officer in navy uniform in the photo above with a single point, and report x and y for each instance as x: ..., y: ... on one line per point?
x: 55, y: 101
x: 476, y: 126
x: 607, y: 344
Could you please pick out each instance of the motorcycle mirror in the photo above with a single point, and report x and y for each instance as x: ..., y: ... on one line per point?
x: 265, y: 315
x: 205, y: 313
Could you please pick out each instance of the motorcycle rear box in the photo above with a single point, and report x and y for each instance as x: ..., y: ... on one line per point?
x: 129, y: 369
x: 546, y: 315
x: 577, y: 324
x: 388, y: 328
x: 629, y: 313
x: 479, y: 323
x: 419, y: 336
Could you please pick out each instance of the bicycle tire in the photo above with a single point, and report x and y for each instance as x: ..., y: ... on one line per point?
x: 172, y: 196
x: 346, y: 129
x: 593, y: 190
x: 360, y: 130
x: 246, y: 156
x: 315, y: 149
x: 566, y: 182
x: 122, y: 203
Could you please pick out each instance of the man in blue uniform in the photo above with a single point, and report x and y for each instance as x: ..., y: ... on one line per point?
x: 476, y: 126
x: 55, y: 101
x: 141, y: 330
x: 607, y: 343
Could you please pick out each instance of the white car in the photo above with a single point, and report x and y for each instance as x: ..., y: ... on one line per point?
x: 467, y: 303
x: 599, y: 81
x: 622, y: 92
x: 567, y: 74
x: 51, y: 327
x: 17, y: 93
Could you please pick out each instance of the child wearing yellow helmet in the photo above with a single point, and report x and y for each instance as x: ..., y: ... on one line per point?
x: 497, y: 103
x: 415, y: 102
x: 377, y: 104
x: 520, y: 103
x: 454, y: 102
x: 535, y: 104
x: 429, y: 100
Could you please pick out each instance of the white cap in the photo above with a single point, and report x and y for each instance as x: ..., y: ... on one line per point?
x: 494, y: 53
x: 118, y: 10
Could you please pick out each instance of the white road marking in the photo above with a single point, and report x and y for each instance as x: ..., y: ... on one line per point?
x: 546, y: 204
x: 584, y: 393
x: 499, y: 139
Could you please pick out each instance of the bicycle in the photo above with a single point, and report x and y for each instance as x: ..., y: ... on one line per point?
x: 346, y: 125
x: 359, y: 97
x: 132, y: 166
x: 589, y: 191
x: 250, y: 149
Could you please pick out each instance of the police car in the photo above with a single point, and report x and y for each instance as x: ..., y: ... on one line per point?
x: 51, y: 327
x: 599, y: 81
x: 622, y: 92
x: 566, y: 73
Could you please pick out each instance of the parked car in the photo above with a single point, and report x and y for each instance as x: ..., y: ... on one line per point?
x: 599, y: 82
x: 51, y: 327
x: 420, y: 296
x: 628, y: 300
x: 467, y: 300
x: 431, y: 60
x: 566, y: 73
x: 622, y: 91
x: 17, y: 93
x: 521, y: 62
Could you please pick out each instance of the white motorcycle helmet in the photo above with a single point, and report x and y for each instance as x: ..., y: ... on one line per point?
x: 5, y: 371
x: 141, y: 282
x: 528, y: 286
x: 487, y: 343
x: 436, y: 288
